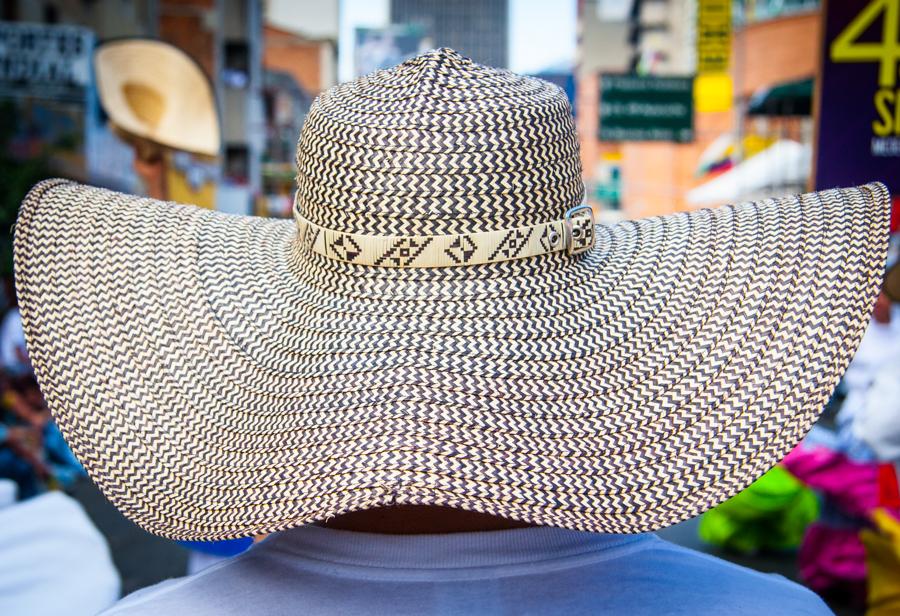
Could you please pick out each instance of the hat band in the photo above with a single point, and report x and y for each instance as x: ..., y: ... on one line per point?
x: 574, y: 233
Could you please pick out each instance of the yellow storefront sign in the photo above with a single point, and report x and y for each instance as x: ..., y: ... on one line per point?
x: 713, y: 36
x: 713, y: 92
x: 713, y: 85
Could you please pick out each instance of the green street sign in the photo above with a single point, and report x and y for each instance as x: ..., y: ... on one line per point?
x: 646, y: 108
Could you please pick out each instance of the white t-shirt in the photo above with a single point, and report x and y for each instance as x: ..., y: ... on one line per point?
x: 319, y: 571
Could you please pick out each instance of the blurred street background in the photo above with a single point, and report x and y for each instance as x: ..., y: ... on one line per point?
x: 679, y: 104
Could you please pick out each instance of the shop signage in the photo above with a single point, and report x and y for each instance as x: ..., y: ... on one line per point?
x: 858, y: 136
x: 45, y: 61
x: 645, y: 108
x: 713, y: 89
x: 713, y: 35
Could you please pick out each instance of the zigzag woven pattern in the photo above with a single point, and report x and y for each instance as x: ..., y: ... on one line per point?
x: 217, y: 378
x: 435, y: 146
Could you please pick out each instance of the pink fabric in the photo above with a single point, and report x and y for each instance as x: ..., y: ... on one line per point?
x: 833, y: 559
x: 852, y: 486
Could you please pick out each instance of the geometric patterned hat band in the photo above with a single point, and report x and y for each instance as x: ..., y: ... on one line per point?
x: 573, y: 233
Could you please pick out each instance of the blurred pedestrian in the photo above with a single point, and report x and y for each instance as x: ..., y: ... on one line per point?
x: 13, y: 352
x: 32, y: 451
x: 161, y: 102
x: 877, y: 422
x: 880, y: 346
x: 52, y: 558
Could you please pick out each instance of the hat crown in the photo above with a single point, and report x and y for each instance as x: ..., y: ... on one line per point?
x: 438, y: 145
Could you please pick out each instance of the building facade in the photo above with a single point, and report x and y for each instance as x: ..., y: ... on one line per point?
x: 225, y: 39
x: 658, y: 37
x: 475, y: 28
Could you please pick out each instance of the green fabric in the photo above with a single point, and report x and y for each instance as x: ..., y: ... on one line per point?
x: 771, y: 514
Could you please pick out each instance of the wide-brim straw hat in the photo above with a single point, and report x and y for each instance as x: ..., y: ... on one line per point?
x: 437, y: 326
x: 155, y: 91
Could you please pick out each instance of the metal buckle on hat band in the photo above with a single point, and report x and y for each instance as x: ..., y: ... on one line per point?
x: 579, y: 229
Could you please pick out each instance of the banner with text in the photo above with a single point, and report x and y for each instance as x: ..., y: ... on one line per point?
x: 859, y: 104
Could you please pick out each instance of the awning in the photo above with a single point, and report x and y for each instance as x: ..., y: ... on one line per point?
x: 783, y: 166
x: 793, y: 98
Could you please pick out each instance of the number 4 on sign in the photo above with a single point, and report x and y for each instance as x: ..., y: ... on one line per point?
x: 845, y: 47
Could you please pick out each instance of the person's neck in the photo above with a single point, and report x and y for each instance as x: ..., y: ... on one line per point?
x: 418, y: 520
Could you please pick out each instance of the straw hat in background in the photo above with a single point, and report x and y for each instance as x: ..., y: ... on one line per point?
x: 441, y: 324
x: 156, y: 95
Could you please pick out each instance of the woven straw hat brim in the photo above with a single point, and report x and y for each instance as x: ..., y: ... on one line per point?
x: 182, y: 94
x: 217, y: 379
